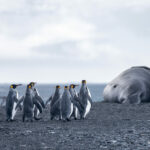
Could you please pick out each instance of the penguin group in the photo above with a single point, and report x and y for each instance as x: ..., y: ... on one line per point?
x: 63, y: 106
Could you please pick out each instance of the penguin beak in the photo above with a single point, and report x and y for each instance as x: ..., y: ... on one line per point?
x: 76, y: 85
x: 33, y: 83
x: 18, y: 84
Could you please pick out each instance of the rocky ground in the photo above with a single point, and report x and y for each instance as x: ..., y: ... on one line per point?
x: 108, y: 127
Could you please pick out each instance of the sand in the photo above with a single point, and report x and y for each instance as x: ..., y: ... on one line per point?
x: 107, y: 127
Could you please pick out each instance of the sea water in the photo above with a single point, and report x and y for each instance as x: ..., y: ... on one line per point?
x: 46, y: 90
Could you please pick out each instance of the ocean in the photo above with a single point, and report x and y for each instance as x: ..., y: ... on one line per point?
x: 46, y: 90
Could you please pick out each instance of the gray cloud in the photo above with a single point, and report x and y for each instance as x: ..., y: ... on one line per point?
x: 86, y: 37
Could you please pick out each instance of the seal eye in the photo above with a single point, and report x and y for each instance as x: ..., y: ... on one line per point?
x: 114, y: 86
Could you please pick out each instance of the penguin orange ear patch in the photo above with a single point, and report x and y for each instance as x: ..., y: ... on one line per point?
x: 72, y: 86
x: 29, y: 86
x: 11, y: 86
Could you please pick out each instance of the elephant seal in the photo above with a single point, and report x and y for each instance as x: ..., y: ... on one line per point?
x: 131, y: 86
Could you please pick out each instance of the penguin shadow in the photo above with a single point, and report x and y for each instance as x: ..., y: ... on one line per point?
x: 11, y: 120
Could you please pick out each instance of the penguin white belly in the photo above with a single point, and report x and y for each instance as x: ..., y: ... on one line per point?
x: 88, y: 107
x: 76, y: 112
x: 14, y: 106
x: 37, y: 113
x: 71, y: 109
x: 14, y: 111
x: 89, y: 92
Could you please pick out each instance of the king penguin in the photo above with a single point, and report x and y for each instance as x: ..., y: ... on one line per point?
x: 85, y: 99
x: 11, y: 102
x: 29, y: 104
x: 36, y: 97
x: 36, y: 94
x: 55, y: 104
x: 66, y: 104
x: 74, y: 96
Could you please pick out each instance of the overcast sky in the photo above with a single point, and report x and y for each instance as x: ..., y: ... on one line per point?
x: 51, y: 41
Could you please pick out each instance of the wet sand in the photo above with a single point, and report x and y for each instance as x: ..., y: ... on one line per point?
x: 107, y: 127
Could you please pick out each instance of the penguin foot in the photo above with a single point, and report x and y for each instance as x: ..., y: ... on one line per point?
x: 36, y: 118
x: 68, y: 119
x: 7, y: 119
x: 82, y: 118
x: 11, y: 120
x: 52, y: 118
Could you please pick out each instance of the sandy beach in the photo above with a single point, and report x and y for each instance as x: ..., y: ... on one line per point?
x: 107, y: 127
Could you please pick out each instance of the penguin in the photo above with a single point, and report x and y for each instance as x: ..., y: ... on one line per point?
x: 74, y: 96
x: 36, y: 97
x: 36, y: 94
x: 55, y: 104
x: 29, y: 104
x: 66, y: 104
x: 11, y: 102
x: 85, y: 100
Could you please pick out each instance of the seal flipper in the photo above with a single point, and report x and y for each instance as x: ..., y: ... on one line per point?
x: 133, y: 99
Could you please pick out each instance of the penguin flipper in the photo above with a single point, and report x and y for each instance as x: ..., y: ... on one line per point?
x: 48, y: 101
x: 16, y: 99
x: 89, y: 95
x: 78, y: 105
x: 40, y: 100
x: 19, y: 102
x: 90, y: 99
x: 77, y: 99
x: 38, y: 105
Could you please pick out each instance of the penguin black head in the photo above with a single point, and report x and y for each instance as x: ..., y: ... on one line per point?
x: 29, y: 86
x: 57, y: 86
x: 32, y: 84
x: 66, y: 87
x: 73, y: 86
x: 13, y: 86
x: 84, y: 81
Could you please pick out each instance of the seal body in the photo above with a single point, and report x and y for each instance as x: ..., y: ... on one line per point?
x: 131, y: 86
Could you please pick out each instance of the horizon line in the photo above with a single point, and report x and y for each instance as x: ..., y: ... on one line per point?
x: 53, y: 82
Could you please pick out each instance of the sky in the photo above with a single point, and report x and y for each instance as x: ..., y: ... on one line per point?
x: 59, y: 41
